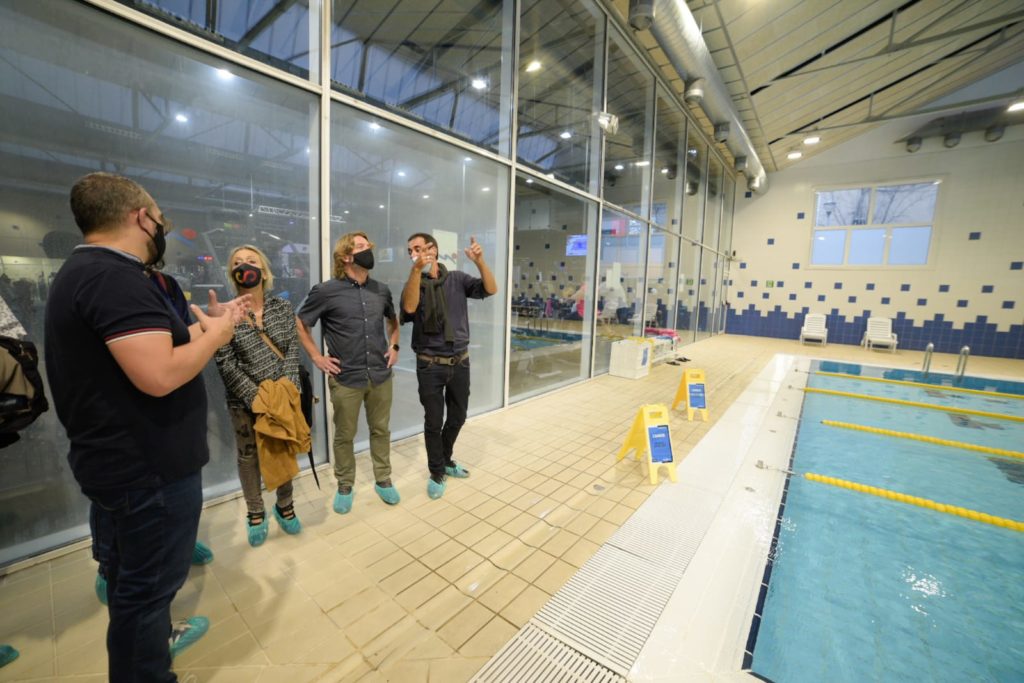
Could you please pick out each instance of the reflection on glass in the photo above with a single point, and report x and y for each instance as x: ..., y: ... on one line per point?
x: 909, y: 246
x: 228, y: 159
x: 713, y: 204
x: 709, y: 281
x: 828, y: 247
x: 552, y: 289
x: 905, y: 203
x: 694, y: 187
x: 660, y: 307
x: 725, y: 247
x: 283, y: 34
x: 559, y: 95
x: 867, y: 247
x: 442, y: 62
x: 627, y: 152
x: 621, y: 280
x: 842, y: 207
x: 390, y: 182
x: 689, y: 282
x: 669, y: 157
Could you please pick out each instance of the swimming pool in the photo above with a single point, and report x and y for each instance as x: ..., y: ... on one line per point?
x: 524, y: 339
x: 862, y: 588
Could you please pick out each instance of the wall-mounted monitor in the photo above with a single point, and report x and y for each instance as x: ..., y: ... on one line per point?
x: 576, y: 245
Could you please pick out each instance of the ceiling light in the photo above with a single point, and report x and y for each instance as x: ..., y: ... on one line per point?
x: 181, y: 118
x: 619, y: 167
x: 346, y: 211
x: 478, y: 83
x: 565, y: 134
x: 374, y: 125
x: 381, y: 206
x: 994, y: 132
x: 1016, y: 106
x: 401, y: 174
x: 665, y: 170
x: 641, y: 163
x: 951, y: 140
x: 467, y: 159
x: 426, y: 196
x: 485, y: 189
x: 224, y: 74
x: 913, y: 144
x: 533, y: 66
x: 812, y: 140
x: 794, y: 155
x: 529, y: 181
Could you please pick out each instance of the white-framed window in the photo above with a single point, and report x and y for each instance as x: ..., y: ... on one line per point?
x: 876, y: 225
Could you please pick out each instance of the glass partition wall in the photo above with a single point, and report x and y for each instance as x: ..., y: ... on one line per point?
x: 217, y: 109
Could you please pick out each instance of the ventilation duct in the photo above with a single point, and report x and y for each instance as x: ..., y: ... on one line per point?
x: 677, y: 33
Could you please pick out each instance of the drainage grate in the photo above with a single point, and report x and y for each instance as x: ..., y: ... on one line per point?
x: 608, y: 609
x: 667, y: 529
x: 533, y: 655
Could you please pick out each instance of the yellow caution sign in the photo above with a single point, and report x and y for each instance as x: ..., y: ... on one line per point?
x: 650, y: 439
x: 692, y: 390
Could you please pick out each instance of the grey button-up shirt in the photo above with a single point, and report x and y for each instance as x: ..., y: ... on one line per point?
x: 354, y: 329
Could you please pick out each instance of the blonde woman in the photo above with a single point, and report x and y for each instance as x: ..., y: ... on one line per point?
x: 246, y: 362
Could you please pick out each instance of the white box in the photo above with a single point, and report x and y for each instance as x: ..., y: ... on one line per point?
x: 631, y: 359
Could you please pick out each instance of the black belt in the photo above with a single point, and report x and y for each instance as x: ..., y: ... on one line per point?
x: 443, y: 360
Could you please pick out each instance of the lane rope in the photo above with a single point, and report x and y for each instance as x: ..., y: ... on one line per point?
x: 923, y: 385
x: 973, y: 515
x: 915, y: 404
x: 927, y: 439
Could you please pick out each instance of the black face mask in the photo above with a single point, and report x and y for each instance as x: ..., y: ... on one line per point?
x: 247, y: 275
x: 363, y: 259
x: 159, y: 243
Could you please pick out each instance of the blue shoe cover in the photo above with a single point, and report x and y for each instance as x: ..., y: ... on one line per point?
x: 101, y: 589
x: 258, y: 533
x: 291, y: 526
x: 185, y: 633
x: 7, y: 655
x: 201, y: 554
x: 434, y: 489
x: 456, y: 470
x: 389, y: 494
x: 343, y: 502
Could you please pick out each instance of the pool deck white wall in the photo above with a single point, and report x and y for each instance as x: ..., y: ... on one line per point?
x: 972, y: 290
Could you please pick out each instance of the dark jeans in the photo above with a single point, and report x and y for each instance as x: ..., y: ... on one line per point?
x: 441, y: 387
x: 144, y: 539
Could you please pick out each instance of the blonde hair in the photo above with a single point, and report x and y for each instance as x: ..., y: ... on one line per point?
x: 268, y: 277
x: 342, y: 248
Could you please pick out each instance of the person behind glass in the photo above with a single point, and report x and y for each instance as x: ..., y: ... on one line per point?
x: 355, y: 309
x: 124, y: 374
x: 435, y: 300
x: 171, y: 291
x: 246, y: 362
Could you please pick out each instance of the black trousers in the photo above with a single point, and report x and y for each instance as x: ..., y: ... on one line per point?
x: 442, y: 387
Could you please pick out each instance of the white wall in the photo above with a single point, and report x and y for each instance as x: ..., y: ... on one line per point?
x: 982, y: 190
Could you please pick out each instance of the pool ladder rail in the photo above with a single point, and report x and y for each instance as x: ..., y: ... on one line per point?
x: 961, y: 361
x: 926, y: 366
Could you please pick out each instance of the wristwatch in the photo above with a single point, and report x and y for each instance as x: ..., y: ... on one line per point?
x: 394, y: 346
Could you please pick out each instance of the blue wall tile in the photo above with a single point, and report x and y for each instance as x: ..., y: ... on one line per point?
x: 796, y: 266
x: 987, y: 289
x: 943, y: 288
x: 1007, y: 304
x: 771, y: 240
x: 961, y: 303
x: 904, y: 288
x: 974, y: 236
x: 885, y: 300
x: 871, y: 286
x: 1017, y: 265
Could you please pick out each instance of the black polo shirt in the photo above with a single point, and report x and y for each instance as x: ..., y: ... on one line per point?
x: 457, y: 288
x: 353, y: 316
x: 121, y: 438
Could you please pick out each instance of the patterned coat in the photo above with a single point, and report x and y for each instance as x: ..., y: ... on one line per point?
x: 247, y: 360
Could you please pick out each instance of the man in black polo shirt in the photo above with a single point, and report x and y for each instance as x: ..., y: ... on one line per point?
x: 124, y: 373
x: 354, y: 309
x: 435, y: 300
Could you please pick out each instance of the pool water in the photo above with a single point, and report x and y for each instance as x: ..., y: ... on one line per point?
x: 863, y: 588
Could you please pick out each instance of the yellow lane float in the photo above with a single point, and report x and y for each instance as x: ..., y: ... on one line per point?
x: 974, y: 515
x: 923, y: 385
x: 927, y: 439
x: 914, y: 404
